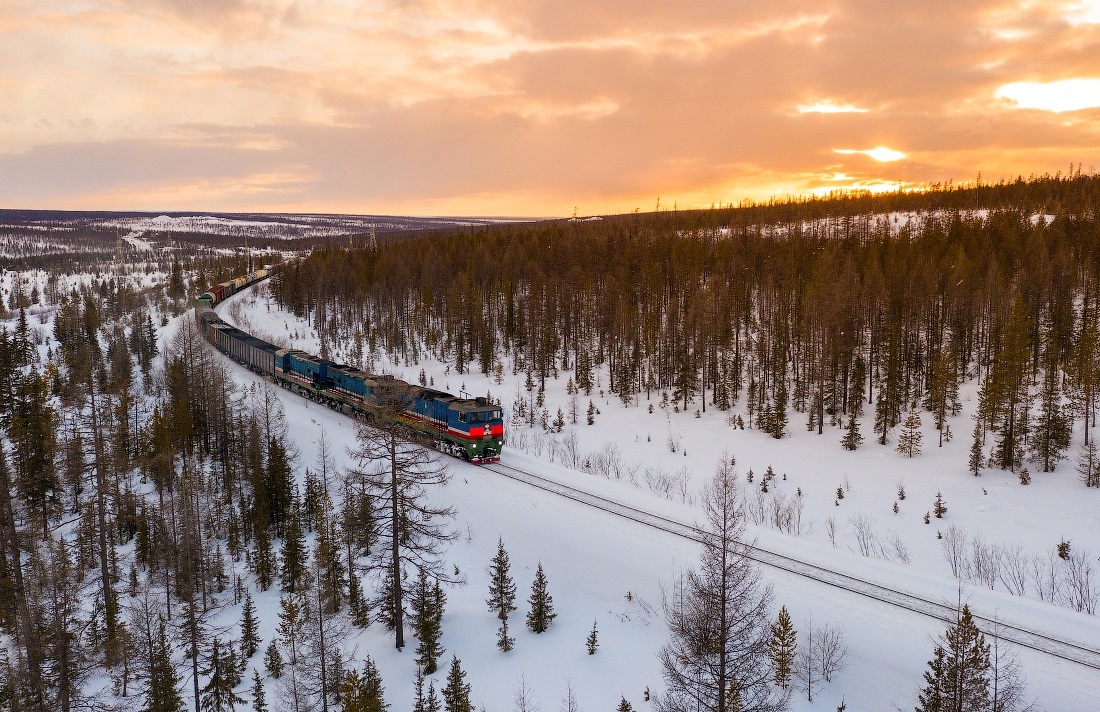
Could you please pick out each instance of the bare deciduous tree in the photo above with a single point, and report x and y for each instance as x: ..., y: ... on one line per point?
x: 718, y: 618
x: 396, y: 472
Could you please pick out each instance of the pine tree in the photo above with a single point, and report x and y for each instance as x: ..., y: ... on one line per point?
x: 502, y: 589
x: 223, y: 675
x: 909, y: 442
x: 456, y: 695
x: 259, y: 703
x: 162, y: 693
x: 592, y: 642
x: 784, y: 645
x: 542, y: 604
x: 624, y: 706
x: 938, y: 507
x: 250, y: 638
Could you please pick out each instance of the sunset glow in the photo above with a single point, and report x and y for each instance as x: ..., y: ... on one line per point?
x: 1066, y: 95
x: 533, y: 108
x: 880, y: 154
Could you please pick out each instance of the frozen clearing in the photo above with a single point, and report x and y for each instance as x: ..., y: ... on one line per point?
x: 594, y: 559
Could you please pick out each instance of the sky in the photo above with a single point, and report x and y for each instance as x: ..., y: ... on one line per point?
x: 532, y: 107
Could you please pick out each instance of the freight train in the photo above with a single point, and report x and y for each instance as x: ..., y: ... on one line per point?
x: 469, y: 428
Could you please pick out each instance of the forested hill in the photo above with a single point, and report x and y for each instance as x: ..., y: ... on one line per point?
x: 839, y: 313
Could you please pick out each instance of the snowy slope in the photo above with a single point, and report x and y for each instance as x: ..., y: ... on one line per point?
x: 593, y: 559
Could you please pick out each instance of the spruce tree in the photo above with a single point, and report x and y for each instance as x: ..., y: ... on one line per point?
x: 292, y: 559
x: 974, y: 463
x: 852, y: 438
x: 784, y: 645
x: 504, y: 642
x: 273, y: 661
x: 431, y: 702
x: 1088, y: 464
x: 418, y: 699
x: 259, y: 702
x: 931, y: 698
x: 502, y: 589
x: 958, y: 676
x: 456, y: 695
x: 624, y: 706
x: 223, y: 675
x: 162, y: 693
x: 263, y: 560
x: 542, y: 604
x: 428, y: 603
x: 373, y: 693
x: 938, y: 507
x: 592, y: 642
x: 1050, y: 434
x: 353, y: 693
x: 250, y: 638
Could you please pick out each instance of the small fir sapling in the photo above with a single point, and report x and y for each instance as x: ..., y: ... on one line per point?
x: 927, y: 517
x: 939, y: 508
x: 624, y: 706
x: 901, y: 491
x: 1025, y: 477
x: 749, y: 475
x: 896, y: 508
x: 840, y: 493
x: 592, y: 642
x: 542, y: 604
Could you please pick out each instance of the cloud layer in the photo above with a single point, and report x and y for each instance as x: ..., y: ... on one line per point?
x: 534, y: 107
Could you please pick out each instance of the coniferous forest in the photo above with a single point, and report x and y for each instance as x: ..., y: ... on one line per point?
x: 841, y: 315
x: 144, y: 491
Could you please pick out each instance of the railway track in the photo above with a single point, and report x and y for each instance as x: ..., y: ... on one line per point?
x: 1083, y: 655
x: 1069, y: 651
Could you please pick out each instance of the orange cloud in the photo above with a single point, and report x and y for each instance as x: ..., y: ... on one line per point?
x: 533, y: 107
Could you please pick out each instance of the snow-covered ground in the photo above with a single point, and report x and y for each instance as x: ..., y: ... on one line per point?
x: 593, y: 559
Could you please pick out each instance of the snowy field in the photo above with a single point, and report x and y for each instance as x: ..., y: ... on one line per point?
x: 611, y: 570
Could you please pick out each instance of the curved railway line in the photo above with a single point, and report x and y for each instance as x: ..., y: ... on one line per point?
x: 1024, y: 637
x: 1069, y: 651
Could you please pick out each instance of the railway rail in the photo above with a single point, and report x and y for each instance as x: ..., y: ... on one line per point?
x: 1066, y: 650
